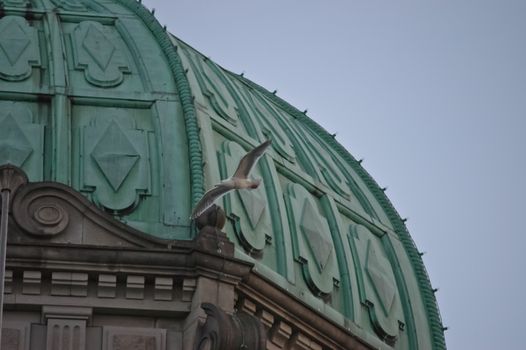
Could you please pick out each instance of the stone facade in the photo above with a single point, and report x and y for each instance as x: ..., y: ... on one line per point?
x: 78, y: 279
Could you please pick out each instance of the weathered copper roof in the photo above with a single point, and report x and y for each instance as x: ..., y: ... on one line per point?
x: 98, y: 96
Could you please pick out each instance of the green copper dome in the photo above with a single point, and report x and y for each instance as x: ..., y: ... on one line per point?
x: 98, y: 96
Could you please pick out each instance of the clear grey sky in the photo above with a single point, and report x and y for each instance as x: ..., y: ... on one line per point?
x: 433, y: 95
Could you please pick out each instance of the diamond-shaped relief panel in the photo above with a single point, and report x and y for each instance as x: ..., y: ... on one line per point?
x: 98, y: 53
x: 14, y: 146
x: 271, y: 127
x: 98, y: 46
x: 254, y: 205
x: 312, y: 228
x: 247, y: 207
x: 13, y: 41
x: 213, y: 90
x: 381, y: 279
x: 115, y: 155
x: 311, y: 240
x: 113, y: 150
x: 331, y: 173
x: 18, y: 48
x: 377, y: 285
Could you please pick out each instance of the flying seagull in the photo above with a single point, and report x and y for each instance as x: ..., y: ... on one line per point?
x: 239, y: 180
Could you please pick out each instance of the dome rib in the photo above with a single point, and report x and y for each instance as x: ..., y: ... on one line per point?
x: 185, y: 94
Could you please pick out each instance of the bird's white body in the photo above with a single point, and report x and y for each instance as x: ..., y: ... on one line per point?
x: 240, y: 183
x: 239, y: 180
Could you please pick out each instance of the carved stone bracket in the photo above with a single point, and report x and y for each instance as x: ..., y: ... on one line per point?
x: 222, y: 331
x: 210, y: 237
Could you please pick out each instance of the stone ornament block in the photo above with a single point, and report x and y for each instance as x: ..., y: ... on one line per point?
x: 31, y: 282
x: 69, y: 284
x: 135, y: 287
x: 189, y: 286
x: 163, y: 288
x: 280, y: 333
x: 107, y: 286
x: 79, y: 284
x: 266, y: 318
x: 300, y: 341
x: 247, y: 306
x: 60, y: 283
x: 127, y: 338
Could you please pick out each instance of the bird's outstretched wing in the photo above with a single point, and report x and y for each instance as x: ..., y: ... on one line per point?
x: 247, y: 162
x: 208, y: 199
x: 245, y: 165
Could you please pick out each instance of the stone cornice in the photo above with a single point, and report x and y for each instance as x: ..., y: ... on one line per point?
x: 182, y: 260
x: 281, y: 310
